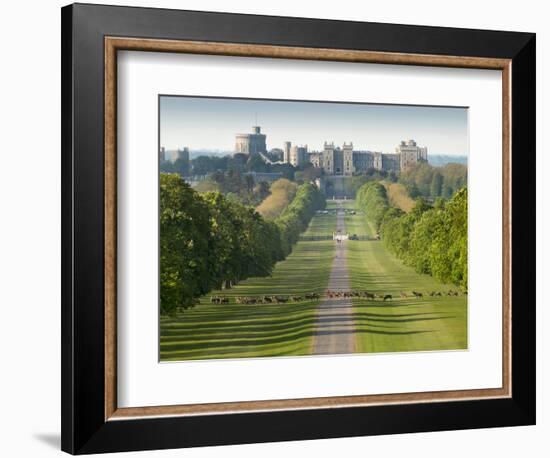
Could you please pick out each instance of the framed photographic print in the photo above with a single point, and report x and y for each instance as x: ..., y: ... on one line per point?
x: 283, y: 228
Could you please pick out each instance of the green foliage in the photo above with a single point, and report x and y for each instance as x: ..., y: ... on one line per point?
x: 392, y: 177
x: 437, y: 184
x: 209, y: 241
x: 425, y: 180
x: 412, y: 189
x: 183, y: 223
x: 373, y: 198
x: 204, y: 165
x: 432, y: 240
x: 179, y: 166
x: 236, y: 186
x: 296, y: 216
x: 255, y: 163
x: 207, y: 165
x: 449, y: 248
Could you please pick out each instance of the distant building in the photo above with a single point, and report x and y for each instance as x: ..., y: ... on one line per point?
x: 410, y: 153
x: 182, y: 154
x: 174, y: 155
x: 333, y: 160
x: 286, y: 152
x: 364, y: 160
x: 298, y: 155
x: 391, y: 163
x: 346, y: 161
x: 251, y: 143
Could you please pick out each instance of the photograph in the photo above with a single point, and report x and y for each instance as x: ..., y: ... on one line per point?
x: 310, y: 228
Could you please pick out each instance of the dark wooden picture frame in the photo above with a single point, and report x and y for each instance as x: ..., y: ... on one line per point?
x: 91, y: 37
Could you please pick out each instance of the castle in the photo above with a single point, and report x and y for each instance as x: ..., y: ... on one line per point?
x: 336, y: 160
x: 251, y: 143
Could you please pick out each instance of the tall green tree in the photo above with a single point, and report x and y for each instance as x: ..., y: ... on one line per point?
x: 184, y: 225
x: 437, y: 184
x: 373, y: 198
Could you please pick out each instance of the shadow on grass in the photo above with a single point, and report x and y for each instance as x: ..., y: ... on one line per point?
x: 240, y: 338
x: 370, y: 331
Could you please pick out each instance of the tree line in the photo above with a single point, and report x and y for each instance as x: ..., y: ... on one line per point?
x: 428, y: 181
x: 431, y: 239
x: 206, y: 165
x: 208, y: 242
x: 235, y: 186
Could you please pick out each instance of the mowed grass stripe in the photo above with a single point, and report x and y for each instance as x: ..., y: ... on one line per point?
x: 402, y: 324
x: 358, y: 223
x: 214, y: 331
x: 323, y: 224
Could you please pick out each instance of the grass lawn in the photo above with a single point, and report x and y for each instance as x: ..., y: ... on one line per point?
x: 356, y: 224
x: 214, y: 331
x: 402, y: 324
x: 232, y: 330
x: 323, y: 224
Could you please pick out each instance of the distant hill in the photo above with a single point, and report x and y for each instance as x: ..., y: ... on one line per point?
x: 439, y: 160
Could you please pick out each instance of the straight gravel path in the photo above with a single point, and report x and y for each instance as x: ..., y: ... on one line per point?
x: 335, y: 329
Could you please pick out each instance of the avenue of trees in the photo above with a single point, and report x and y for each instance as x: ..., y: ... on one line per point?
x: 432, y: 240
x: 296, y: 216
x: 208, y: 241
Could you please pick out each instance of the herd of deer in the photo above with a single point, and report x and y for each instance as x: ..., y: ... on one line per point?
x: 264, y: 299
x: 329, y: 294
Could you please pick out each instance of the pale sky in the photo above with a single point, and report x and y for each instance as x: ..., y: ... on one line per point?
x: 211, y: 123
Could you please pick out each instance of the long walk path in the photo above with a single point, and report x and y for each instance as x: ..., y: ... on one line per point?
x: 335, y: 326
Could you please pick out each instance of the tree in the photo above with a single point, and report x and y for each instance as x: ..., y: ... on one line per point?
x: 255, y: 163
x: 296, y: 216
x: 447, y: 191
x: 439, y: 203
x: 373, y: 198
x: 422, y: 179
x: 181, y: 166
x: 412, y: 189
x: 262, y: 190
x: 249, y: 181
x: 421, y: 239
x: 437, y: 184
x: 448, y: 250
x: 204, y: 165
x: 223, y: 252
x: 184, y: 221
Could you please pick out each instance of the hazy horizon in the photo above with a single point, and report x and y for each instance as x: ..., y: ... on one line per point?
x: 211, y: 123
